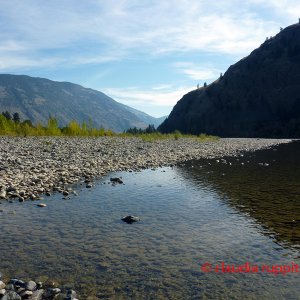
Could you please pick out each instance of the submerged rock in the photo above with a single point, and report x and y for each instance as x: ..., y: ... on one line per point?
x: 130, y: 219
x: 116, y: 180
x: 16, y: 289
x: 2, y: 285
x: 30, y: 285
x: 11, y: 296
x: 37, y: 295
x: 71, y: 295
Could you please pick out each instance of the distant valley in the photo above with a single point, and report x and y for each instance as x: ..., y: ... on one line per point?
x: 37, y: 98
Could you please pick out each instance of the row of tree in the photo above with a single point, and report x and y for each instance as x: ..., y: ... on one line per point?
x: 135, y: 130
x: 12, y: 125
x: 15, y: 117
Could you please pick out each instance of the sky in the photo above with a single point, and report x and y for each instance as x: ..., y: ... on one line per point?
x: 145, y: 54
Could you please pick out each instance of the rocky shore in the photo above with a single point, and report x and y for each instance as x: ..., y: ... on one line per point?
x: 32, y: 166
x: 16, y: 289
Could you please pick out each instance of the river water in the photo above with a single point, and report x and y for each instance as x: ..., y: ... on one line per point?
x: 197, y: 219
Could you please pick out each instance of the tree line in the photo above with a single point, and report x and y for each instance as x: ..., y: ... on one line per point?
x: 12, y: 125
x: 135, y: 130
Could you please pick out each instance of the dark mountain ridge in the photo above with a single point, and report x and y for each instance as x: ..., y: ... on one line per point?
x: 37, y: 98
x: 259, y: 96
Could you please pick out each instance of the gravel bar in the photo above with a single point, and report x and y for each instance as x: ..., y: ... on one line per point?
x: 31, y: 166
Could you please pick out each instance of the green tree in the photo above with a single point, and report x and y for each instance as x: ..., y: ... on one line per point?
x: 52, y: 128
x: 7, y: 115
x: 16, y: 117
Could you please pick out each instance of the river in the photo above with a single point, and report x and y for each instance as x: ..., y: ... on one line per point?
x: 197, y: 219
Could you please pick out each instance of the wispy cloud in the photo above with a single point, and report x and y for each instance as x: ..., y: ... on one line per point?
x: 195, y: 72
x: 122, y: 28
x: 287, y: 10
x: 161, y: 100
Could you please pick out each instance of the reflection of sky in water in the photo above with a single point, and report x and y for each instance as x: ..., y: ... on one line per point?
x: 188, y: 217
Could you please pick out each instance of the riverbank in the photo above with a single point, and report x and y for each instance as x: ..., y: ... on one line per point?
x: 16, y: 289
x: 32, y: 166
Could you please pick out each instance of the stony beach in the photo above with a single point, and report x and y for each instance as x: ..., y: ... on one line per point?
x: 16, y: 289
x: 33, y: 166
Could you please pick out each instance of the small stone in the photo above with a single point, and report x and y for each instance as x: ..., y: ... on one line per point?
x: 37, y: 295
x: 39, y: 285
x: 2, y: 285
x: 116, y: 180
x: 2, y: 292
x: 11, y: 189
x: 17, y: 282
x: 48, y: 194
x: 21, y: 199
x: 11, y: 296
x: 130, y: 219
x: 71, y: 295
x: 50, y: 292
x: 65, y: 193
x: 10, y: 287
x: 30, y: 285
x: 88, y: 186
x: 2, y: 194
x: 41, y: 205
x: 26, y: 294
x: 22, y: 193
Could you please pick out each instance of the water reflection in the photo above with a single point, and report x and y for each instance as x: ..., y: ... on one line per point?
x: 264, y: 185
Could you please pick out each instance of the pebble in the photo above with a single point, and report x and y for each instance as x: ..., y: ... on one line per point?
x: 2, y: 285
x: 17, y: 289
x: 130, y: 219
x: 11, y: 296
x: 30, y: 285
x: 41, y: 205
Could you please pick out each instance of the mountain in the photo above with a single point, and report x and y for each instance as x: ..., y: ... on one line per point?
x: 147, y: 119
x: 259, y: 96
x: 37, y: 98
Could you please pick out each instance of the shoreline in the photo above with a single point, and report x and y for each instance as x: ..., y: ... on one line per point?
x: 34, y: 166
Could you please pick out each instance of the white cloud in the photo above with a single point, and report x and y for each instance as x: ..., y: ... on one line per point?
x: 285, y: 9
x: 158, y: 102
x: 195, y: 72
x: 91, y: 29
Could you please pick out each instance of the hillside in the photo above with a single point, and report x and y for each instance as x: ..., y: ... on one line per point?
x: 147, y: 119
x: 259, y: 96
x: 37, y: 98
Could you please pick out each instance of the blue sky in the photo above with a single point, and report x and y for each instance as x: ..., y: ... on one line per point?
x: 146, y: 54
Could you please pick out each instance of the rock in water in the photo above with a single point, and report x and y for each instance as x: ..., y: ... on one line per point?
x: 2, y: 194
x: 42, y: 205
x: 116, y: 180
x: 71, y: 295
x: 30, y: 285
x: 130, y: 219
x: 37, y: 295
x: 11, y: 296
x: 2, y: 285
